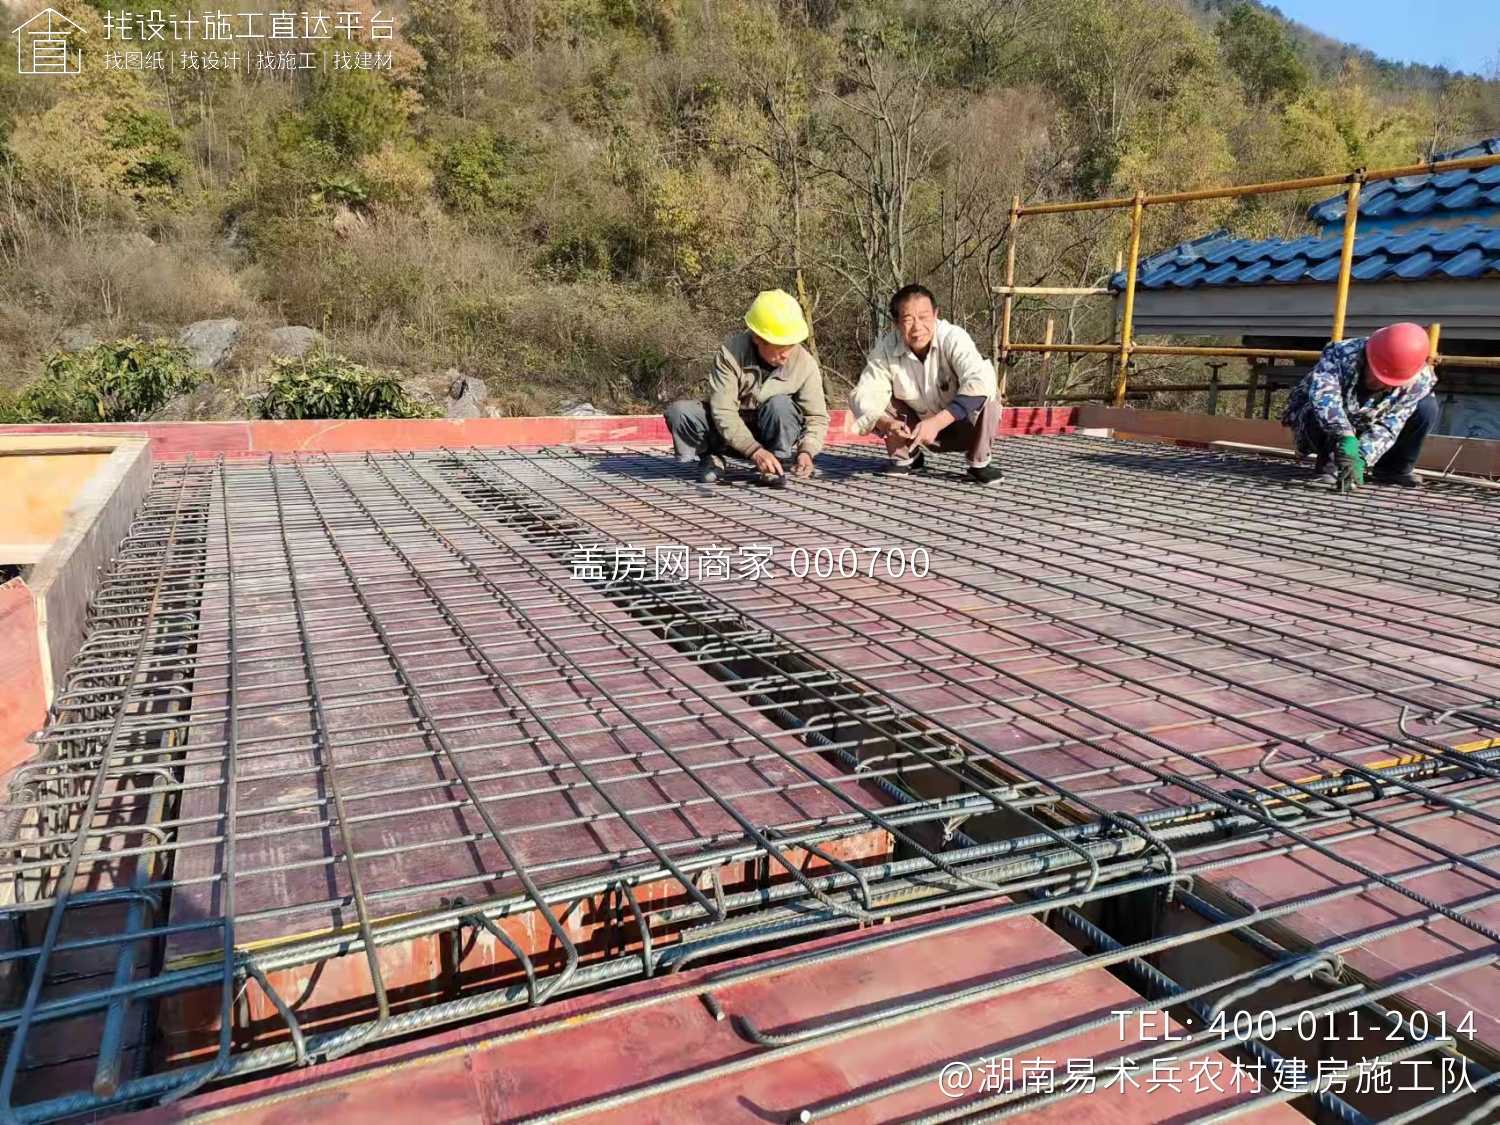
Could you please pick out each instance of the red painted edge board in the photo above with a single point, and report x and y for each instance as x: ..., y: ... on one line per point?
x: 356, y: 436
x: 585, y: 1047
x: 23, y: 702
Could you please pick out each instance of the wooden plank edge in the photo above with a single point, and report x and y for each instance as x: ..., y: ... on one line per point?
x: 96, y: 522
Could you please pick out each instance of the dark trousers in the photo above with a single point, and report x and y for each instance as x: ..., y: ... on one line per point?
x: 973, y: 437
x: 1400, y: 458
x: 776, y: 424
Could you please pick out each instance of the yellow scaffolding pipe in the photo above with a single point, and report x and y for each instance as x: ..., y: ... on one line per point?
x: 1140, y: 200
x: 1128, y: 317
x: 1432, y: 166
x: 1003, y: 352
x: 1346, y: 258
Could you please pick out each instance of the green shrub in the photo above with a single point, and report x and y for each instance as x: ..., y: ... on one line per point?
x: 157, y: 154
x: 332, y: 386
x: 481, y: 173
x: 119, y: 381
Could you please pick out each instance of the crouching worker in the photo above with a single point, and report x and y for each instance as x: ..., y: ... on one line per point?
x: 1366, y: 404
x: 765, y: 400
x: 925, y: 383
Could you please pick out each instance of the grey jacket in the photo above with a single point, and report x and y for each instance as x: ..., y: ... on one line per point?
x: 740, y: 380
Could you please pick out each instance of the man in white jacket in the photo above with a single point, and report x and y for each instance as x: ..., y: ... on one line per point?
x: 925, y: 383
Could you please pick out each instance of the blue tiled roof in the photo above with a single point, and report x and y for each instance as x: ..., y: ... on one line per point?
x: 1468, y: 251
x: 1415, y: 197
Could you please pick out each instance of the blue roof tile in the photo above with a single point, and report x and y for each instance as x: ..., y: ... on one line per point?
x: 1471, y: 263
x: 1322, y: 248
x: 1292, y: 271
x: 1225, y: 252
x: 1294, y: 249
x: 1251, y: 274
x: 1466, y: 251
x: 1414, y: 196
x: 1369, y: 243
x: 1419, y: 203
x: 1190, y: 276
x: 1449, y: 180
x: 1325, y: 270
x: 1373, y: 268
x: 1470, y: 250
x: 1252, y: 252
x: 1464, y: 196
x: 1460, y: 238
x: 1418, y: 265
x: 1411, y: 240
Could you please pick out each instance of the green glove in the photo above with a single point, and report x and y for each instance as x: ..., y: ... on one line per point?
x: 1351, y: 464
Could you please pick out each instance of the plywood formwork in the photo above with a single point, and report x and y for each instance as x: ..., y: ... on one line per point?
x: 656, y: 1050
x: 1465, y: 456
x: 1115, y: 684
x: 66, y: 500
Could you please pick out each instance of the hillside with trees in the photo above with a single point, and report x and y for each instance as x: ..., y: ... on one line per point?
x: 575, y: 199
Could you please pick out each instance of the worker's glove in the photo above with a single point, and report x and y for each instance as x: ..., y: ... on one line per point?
x: 1350, y: 463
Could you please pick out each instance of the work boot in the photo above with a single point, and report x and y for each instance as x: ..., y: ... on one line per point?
x: 710, y: 469
x: 1408, y: 479
x: 918, y: 464
x: 986, y: 474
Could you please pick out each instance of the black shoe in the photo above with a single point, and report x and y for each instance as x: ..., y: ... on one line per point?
x: 986, y: 474
x: 710, y: 470
x: 1399, y: 480
x: 918, y: 464
x: 1324, y: 475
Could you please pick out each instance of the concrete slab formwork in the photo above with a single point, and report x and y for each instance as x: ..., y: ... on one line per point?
x: 419, y: 737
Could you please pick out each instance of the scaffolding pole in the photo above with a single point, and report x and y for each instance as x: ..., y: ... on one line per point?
x: 1126, y: 347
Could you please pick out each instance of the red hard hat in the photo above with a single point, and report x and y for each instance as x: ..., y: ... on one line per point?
x: 1397, y: 353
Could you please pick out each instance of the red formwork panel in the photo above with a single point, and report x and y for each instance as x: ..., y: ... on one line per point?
x: 408, y: 817
x: 169, y: 439
x: 567, y: 1054
x: 23, y: 703
x: 1469, y: 1000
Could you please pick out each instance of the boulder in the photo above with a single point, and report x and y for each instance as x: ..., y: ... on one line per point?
x: 210, y: 341
x: 295, y: 340
x: 207, y: 402
x: 76, y: 339
x: 466, y: 396
x: 571, y: 408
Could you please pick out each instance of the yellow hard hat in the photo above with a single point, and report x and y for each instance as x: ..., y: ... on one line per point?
x: 776, y: 317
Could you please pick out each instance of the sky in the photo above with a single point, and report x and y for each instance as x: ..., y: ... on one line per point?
x: 1459, y: 34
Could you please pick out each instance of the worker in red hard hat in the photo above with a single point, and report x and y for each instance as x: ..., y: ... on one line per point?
x: 1366, y: 406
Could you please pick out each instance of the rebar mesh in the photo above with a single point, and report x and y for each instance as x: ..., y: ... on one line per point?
x: 335, y: 709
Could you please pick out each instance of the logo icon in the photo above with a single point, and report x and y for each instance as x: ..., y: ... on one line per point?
x: 42, y: 45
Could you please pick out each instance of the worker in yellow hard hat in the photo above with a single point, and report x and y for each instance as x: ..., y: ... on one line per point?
x: 765, y: 400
